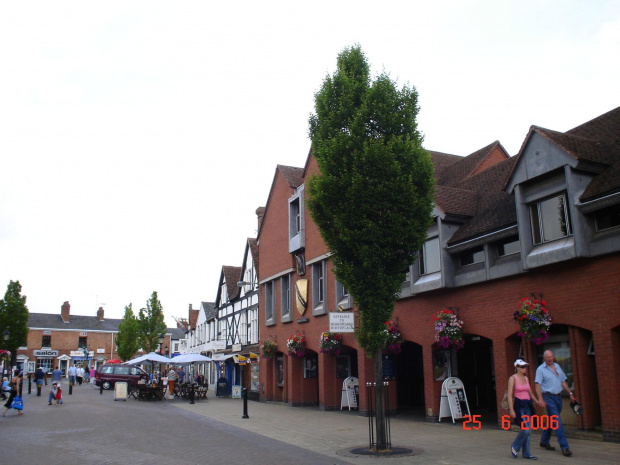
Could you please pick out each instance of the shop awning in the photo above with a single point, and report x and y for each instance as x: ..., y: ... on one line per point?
x: 221, y: 357
x: 240, y: 359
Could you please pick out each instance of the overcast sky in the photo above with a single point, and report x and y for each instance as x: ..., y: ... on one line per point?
x: 137, y: 139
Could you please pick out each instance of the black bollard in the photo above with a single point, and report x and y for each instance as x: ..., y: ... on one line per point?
x: 70, y: 388
x: 191, y: 393
x: 38, y: 390
x: 101, y: 388
x: 29, y: 385
x: 245, y: 403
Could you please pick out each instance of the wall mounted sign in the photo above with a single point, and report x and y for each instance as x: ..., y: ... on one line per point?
x: 46, y: 353
x: 342, y: 322
x: 301, y: 295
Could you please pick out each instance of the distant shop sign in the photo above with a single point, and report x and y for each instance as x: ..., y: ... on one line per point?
x: 342, y: 322
x: 46, y: 353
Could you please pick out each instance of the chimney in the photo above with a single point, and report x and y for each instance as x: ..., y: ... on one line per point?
x: 65, y: 310
x: 100, y: 314
x: 260, y: 213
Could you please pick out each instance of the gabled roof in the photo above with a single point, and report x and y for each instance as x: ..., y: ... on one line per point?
x: 231, y: 276
x: 209, y: 310
x: 450, y: 174
x: 293, y: 177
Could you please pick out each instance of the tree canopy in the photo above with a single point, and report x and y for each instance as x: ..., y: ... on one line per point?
x: 14, y: 317
x: 372, y: 200
x: 151, y: 323
x: 128, y: 337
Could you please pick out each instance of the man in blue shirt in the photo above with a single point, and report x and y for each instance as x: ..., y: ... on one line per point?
x: 550, y: 380
x: 72, y: 374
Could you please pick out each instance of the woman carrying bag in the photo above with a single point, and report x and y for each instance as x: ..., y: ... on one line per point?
x: 14, y: 401
x: 520, y: 395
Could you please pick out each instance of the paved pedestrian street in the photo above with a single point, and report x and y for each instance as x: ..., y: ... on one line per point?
x: 93, y: 428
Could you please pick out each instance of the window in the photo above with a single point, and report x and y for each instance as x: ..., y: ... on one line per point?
x: 607, y: 218
x: 508, y: 246
x: 550, y: 219
x: 82, y: 342
x: 343, y: 301
x: 471, y: 256
x: 46, y: 341
x: 429, y: 257
x: 296, y: 221
x: 318, y: 288
x: 285, y: 297
x: 253, y: 325
x: 295, y: 217
x: 270, y: 302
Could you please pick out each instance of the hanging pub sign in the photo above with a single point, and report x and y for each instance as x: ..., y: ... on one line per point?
x: 342, y: 322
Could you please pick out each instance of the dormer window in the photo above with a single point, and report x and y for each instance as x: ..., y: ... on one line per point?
x: 607, y: 218
x: 429, y: 257
x: 550, y: 219
x: 471, y: 256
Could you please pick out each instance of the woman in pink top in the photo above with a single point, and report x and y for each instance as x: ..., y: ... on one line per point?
x: 520, y: 397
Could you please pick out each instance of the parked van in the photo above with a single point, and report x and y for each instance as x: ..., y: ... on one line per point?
x: 108, y: 375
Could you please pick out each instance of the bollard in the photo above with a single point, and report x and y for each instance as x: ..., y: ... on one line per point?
x: 29, y: 385
x: 101, y: 388
x: 191, y: 393
x: 38, y: 390
x: 245, y: 403
x: 70, y: 388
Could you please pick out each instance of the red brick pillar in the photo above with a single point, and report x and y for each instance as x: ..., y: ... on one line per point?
x: 584, y: 375
x: 330, y: 387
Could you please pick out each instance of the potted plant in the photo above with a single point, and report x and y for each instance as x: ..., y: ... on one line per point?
x: 533, y: 319
x: 269, y: 349
x: 330, y: 343
x: 393, y: 338
x: 296, y: 345
x: 448, y: 330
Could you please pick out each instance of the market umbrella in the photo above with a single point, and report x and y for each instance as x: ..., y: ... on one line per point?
x: 187, y: 359
x: 151, y: 357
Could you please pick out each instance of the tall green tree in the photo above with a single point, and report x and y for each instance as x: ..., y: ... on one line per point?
x: 151, y: 324
x: 14, y: 318
x: 128, y: 337
x: 372, y: 200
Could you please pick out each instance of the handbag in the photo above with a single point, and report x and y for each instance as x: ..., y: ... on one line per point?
x: 17, y: 403
x: 505, y: 404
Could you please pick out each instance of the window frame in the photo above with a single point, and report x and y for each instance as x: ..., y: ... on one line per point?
x: 537, y: 222
x: 270, y: 303
x: 319, y: 288
x: 286, y: 301
x: 422, y: 264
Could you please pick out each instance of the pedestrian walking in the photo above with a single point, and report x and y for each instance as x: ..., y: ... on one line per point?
x: 39, y: 376
x: 57, y: 375
x: 72, y: 374
x: 172, y: 377
x: 550, y: 381
x: 92, y: 375
x: 13, y: 397
x: 521, y: 407
x: 79, y: 375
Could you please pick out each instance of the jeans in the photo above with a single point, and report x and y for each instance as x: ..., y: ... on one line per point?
x: 51, y: 398
x: 523, y: 438
x: 554, y: 407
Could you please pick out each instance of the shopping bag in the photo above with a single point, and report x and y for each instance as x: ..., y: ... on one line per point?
x: 17, y: 403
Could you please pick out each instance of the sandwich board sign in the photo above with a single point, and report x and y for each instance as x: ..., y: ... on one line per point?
x: 453, y: 401
x: 350, y: 391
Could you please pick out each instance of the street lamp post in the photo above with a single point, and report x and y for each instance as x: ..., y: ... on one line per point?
x: 162, y: 338
x: 5, y: 337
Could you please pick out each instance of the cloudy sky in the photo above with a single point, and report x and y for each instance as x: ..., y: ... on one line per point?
x: 138, y: 138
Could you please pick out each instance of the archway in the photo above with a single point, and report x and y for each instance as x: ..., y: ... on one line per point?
x: 475, y: 368
x: 409, y: 372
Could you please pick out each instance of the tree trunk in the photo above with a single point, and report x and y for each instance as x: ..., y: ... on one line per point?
x: 380, y: 403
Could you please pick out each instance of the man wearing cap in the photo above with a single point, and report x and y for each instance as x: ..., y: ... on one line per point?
x: 550, y: 380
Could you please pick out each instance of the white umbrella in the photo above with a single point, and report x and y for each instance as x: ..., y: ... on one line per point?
x: 150, y: 357
x: 187, y: 359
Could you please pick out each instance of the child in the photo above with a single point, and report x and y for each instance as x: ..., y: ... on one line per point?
x: 55, y: 394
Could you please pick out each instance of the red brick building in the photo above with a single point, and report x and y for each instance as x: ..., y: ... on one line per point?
x: 546, y: 221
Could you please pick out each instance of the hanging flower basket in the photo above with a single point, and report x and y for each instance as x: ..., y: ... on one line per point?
x: 330, y: 343
x: 533, y: 319
x: 296, y: 345
x: 393, y: 340
x: 448, y: 330
x: 269, y: 349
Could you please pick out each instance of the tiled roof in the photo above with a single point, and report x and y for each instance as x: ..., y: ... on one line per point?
x: 293, y: 176
x: 232, y: 275
x: 76, y: 322
x: 495, y: 209
x: 210, y: 310
x: 461, y: 168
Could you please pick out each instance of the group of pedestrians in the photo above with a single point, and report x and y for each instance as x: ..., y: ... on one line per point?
x: 550, y: 381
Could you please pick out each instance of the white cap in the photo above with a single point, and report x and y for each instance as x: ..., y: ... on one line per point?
x: 519, y: 362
